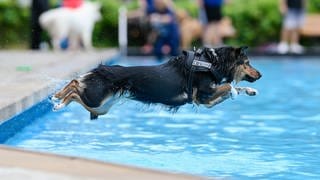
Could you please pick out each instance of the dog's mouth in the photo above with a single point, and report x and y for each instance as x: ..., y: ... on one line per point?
x: 249, y: 78
x: 247, y: 74
x: 253, y: 78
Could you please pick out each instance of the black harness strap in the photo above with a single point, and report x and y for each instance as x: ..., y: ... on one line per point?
x: 198, y: 63
x: 195, y: 62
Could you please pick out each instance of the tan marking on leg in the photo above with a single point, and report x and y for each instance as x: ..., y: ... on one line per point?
x: 73, y: 85
x: 194, y: 96
x: 72, y: 96
x: 65, y: 101
x: 222, y: 93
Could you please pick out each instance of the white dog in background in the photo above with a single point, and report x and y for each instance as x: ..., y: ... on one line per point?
x: 75, y: 24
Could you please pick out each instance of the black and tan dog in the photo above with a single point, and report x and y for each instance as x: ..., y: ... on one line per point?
x: 201, y: 77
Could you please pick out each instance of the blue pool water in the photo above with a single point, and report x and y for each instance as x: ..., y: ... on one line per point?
x: 275, y: 135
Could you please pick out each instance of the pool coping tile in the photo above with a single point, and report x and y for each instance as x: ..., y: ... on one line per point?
x: 22, y: 163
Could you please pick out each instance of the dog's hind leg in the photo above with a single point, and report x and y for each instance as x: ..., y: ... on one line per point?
x: 72, y: 96
x: 72, y: 86
x: 74, y: 42
x: 65, y: 101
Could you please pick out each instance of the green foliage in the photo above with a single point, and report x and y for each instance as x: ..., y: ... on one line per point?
x: 313, y: 6
x: 189, y: 5
x: 14, y: 22
x: 256, y: 21
x: 259, y: 21
x: 106, y: 30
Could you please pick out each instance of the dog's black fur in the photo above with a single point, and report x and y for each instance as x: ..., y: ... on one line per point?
x: 165, y: 84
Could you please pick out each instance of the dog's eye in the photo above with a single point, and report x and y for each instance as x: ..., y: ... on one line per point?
x: 246, y: 62
x: 240, y: 62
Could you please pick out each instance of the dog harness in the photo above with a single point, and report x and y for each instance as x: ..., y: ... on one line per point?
x: 197, y: 62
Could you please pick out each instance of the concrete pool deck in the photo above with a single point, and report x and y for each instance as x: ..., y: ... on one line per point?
x: 28, y: 77
x: 17, y: 164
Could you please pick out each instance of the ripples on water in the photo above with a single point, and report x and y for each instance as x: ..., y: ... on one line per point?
x: 274, y: 135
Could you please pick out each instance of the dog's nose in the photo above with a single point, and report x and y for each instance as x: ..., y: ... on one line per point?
x: 259, y: 75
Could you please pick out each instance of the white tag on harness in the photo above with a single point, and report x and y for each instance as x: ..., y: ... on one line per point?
x: 201, y: 64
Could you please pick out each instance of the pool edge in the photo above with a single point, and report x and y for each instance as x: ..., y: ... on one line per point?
x: 75, y: 167
x: 16, y: 100
x: 19, y: 93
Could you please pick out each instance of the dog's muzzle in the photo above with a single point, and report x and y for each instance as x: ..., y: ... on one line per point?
x: 253, y: 77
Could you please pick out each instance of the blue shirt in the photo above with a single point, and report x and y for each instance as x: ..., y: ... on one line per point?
x: 213, y: 2
x: 150, y: 7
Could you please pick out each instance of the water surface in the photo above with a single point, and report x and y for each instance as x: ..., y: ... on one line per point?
x: 274, y: 135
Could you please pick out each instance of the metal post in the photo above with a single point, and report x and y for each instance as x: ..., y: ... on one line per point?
x: 122, y: 31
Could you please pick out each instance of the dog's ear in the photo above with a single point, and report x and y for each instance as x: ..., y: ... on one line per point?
x: 241, y: 50
x: 209, y: 53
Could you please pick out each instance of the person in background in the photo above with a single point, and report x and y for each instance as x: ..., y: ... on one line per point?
x: 164, y: 24
x: 293, y: 17
x: 211, y: 11
x: 37, y: 8
x: 147, y: 6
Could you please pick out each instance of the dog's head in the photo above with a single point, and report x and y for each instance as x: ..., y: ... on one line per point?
x: 243, y: 71
x: 233, y: 64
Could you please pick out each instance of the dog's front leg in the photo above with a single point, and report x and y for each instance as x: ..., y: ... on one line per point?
x: 86, y: 40
x: 56, y: 40
x: 226, y: 91
x: 220, y: 94
x: 247, y: 90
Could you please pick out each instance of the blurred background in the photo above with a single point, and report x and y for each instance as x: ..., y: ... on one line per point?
x: 257, y: 23
x: 272, y: 136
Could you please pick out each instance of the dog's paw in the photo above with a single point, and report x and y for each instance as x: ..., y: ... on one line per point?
x: 247, y: 90
x: 58, y: 106
x: 251, y: 92
x: 233, y: 92
x: 54, y: 99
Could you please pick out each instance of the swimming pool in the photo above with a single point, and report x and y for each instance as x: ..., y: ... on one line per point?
x: 275, y: 135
